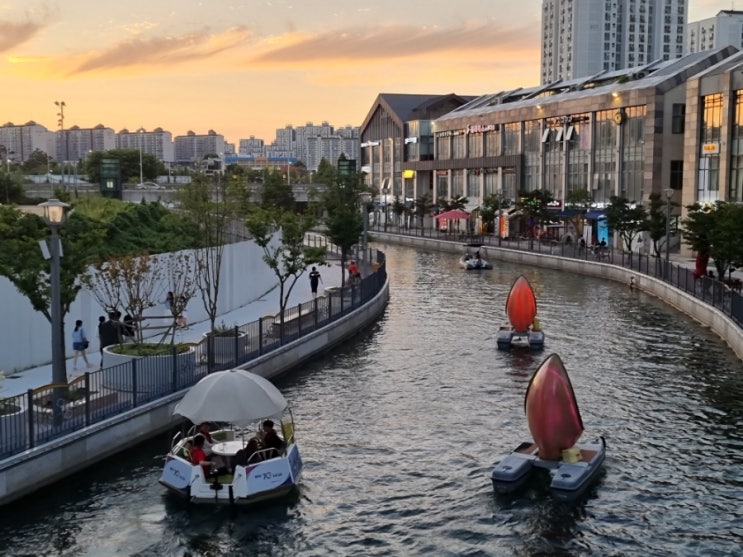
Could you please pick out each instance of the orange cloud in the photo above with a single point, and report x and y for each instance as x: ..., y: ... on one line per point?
x: 161, y: 51
x: 396, y: 42
x: 14, y: 34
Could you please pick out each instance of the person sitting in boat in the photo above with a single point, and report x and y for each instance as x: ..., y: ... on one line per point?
x: 245, y: 455
x: 271, y: 439
x: 198, y: 456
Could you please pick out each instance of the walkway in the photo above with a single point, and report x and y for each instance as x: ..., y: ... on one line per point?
x: 266, y: 304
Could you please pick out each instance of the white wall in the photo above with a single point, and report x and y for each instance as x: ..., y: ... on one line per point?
x: 25, y: 335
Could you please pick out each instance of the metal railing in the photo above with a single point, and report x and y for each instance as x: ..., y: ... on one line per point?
x: 46, y: 413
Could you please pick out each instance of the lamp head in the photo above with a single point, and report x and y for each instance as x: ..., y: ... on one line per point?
x: 54, y: 212
x: 669, y: 193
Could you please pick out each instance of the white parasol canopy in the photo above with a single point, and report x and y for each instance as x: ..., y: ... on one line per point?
x: 235, y: 396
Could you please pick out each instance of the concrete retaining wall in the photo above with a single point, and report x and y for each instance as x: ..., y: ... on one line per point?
x: 27, y: 472
x: 707, y: 315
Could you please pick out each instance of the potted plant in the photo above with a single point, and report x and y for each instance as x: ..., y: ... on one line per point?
x: 226, y: 344
x: 153, y: 361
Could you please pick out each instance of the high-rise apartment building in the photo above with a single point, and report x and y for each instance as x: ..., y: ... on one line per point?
x: 581, y: 38
x: 725, y: 29
x: 157, y: 142
x: 75, y: 143
x: 192, y: 148
x: 18, y: 142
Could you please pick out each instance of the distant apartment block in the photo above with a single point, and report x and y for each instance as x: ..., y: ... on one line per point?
x: 18, y: 142
x: 725, y: 29
x: 252, y: 147
x: 76, y: 143
x: 311, y: 143
x: 581, y: 38
x: 192, y: 148
x: 157, y: 142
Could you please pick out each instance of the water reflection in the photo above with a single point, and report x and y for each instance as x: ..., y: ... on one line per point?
x: 400, y: 428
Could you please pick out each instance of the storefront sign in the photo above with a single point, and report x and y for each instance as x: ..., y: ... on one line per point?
x: 711, y: 148
x: 481, y: 128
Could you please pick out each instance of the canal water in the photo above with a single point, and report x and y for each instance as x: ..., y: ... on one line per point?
x: 401, y: 426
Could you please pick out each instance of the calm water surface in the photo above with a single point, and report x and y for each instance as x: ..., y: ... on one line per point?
x: 400, y: 428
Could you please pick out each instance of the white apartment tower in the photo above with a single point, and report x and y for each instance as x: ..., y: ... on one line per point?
x: 581, y: 38
x: 725, y: 29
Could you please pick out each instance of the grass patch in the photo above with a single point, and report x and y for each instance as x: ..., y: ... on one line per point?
x: 149, y: 349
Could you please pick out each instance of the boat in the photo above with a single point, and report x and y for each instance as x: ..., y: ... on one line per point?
x: 475, y: 258
x: 524, y: 329
x: 556, y: 427
x: 240, y: 473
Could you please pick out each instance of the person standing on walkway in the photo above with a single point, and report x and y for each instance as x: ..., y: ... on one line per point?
x: 109, y: 332
x: 79, y: 344
x: 315, y: 279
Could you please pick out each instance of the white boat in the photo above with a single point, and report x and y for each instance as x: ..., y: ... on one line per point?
x: 242, y: 400
x: 475, y: 258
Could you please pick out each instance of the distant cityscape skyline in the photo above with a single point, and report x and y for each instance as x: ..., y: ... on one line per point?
x: 249, y: 69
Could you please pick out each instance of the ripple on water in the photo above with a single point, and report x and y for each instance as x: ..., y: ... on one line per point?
x: 400, y: 429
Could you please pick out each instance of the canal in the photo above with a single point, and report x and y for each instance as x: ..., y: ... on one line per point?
x: 400, y: 428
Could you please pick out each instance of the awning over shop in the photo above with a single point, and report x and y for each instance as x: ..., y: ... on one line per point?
x: 593, y: 215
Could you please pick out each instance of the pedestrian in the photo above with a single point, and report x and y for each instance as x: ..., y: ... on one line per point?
x: 79, y: 344
x: 315, y: 279
x: 101, y: 321
x: 183, y: 316
x: 109, y: 332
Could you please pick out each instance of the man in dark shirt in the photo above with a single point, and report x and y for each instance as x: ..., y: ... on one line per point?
x: 109, y: 332
x: 271, y: 439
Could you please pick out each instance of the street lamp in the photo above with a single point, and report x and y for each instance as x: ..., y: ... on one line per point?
x: 54, y: 216
x: 365, y: 199
x: 141, y: 178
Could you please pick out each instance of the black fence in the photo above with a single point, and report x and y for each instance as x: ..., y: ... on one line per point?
x: 725, y: 295
x: 46, y: 413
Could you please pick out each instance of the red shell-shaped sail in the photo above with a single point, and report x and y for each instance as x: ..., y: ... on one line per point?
x: 521, y: 305
x: 551, y: 409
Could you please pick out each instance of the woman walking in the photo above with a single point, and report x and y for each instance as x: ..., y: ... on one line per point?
x: 79, y: 344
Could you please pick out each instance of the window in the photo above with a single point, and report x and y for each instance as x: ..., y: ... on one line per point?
x: 678, y: 119
x: 677, y: 175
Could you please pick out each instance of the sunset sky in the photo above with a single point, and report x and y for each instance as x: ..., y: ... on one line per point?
x: 248, y: 67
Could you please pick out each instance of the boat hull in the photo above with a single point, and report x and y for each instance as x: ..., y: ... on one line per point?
x: 508, y: 338
x: 569, y: 479
x: 249, y: 484
x: 474, y: 264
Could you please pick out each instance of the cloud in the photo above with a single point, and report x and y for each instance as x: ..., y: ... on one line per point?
x: 161, y: 51
x: 14, y: 34
x: 395, y: 42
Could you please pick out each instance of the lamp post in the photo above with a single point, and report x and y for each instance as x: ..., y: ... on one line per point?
x: 54, y: 216
x: 141, y: 177
x: 365, y: 199
x: 669, y: 196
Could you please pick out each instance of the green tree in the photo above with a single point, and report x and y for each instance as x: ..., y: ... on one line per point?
x: 211, y: 216
x: 534, y: 207
x: 37, y: 162
x: 628, y: 220
x: 22, y: 262
x: 492, y: 208
x: 129, y: 165
x: 716, y: 232
x: 275, y: 193
x: 657, y: 221
x: 422, y: 207
x: 288, y: 257
x: 342, y: 203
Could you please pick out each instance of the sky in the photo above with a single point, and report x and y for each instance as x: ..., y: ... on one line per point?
x: 248, y: 67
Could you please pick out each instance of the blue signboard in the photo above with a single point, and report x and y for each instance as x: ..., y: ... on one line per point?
x: 602, y: 231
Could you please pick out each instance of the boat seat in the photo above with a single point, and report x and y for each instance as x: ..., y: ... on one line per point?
x: 587, y: 456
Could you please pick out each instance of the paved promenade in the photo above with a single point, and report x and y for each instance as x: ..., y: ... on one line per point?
x: 266, y: 304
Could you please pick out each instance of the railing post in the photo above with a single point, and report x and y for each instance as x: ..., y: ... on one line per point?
x: 87, y: 399
x: 210, y: 353
x: 260, y: 336
x: 299, y: 321
x: 31, y: 414
x: 316, y: 316
x: 237, y: 346
x: 134, y: 383
x: 174, y: 383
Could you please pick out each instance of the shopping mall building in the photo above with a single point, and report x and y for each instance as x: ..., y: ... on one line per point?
x: 673, y: 127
